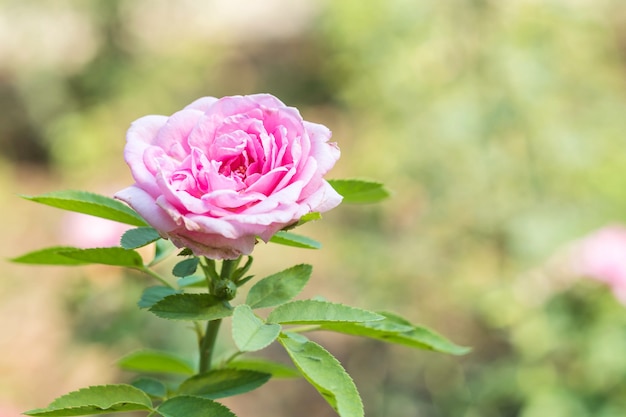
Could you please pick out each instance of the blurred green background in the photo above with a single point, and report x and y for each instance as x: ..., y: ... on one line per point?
x: 499, y: 126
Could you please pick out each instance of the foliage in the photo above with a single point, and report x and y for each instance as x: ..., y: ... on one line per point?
x: 250, y: 332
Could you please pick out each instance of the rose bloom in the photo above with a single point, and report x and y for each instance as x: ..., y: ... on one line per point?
x: 221, y: 173
x: 602, y: 256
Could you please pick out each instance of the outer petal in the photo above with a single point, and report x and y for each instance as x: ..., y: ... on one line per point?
x: 144, y: 204
x: 326, y: 154
x: 324, y: 199
x: 213, y: 246
x: 203, y: 104
x: 139, y: 137
x: 172, y: 137
x: 242, y: 104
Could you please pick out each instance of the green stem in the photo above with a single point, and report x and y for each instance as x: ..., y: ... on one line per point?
x: 233, y: 356
x: 155, y: 275
x: 207, y: 346
x: 207, y: 343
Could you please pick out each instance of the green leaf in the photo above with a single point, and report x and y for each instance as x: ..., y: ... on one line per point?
x: 90, y: 203
x: 192, y: 281
x: 189, y: 406
x: 49, y: 256
x: 114, y: 256
x: 97, y: 400
x: 280, y: 287
x: 394, y: 329
x: 152, y: 387
x: 156, y: 361
x: 319, y: 312
x: 250, y: 333
x: 277, y: 370
x: 139, y: 237
x: 153, y: 295
x: 185, y: 267
x: 222, y: 383
x: 360, y: 191
x: 297, y: 241
x: 309, y: 217
x: 191, y: 307
x: 325, y: 373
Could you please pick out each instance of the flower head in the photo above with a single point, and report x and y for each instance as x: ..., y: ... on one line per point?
x: 221, y: 173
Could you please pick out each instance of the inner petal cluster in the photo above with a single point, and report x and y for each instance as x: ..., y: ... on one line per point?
x: 252, y: 159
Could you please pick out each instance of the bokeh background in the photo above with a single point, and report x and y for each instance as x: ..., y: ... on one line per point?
x: 499, y: 126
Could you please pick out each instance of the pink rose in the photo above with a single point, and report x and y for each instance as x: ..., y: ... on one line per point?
x: 221, y: 172
x: 602, y: 256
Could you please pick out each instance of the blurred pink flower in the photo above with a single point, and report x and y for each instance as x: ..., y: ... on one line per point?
x: 8, y: 410
x: 602, y: 256
x: 85, y: 231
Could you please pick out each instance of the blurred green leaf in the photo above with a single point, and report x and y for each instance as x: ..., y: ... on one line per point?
x: 360, y: 191
x: 190, y: 406
x: 92, y: 204
x: 49, y: 256
x: 250, y: 333
x: 98, y: 399
x: 222, y: 383
x: 297, y: 241
x: 325, y: 373
x: 156, y: 361
x: 152, y: 295
x: 152, y: 387
x: 316, y: 312
x: 191, y: 307
x: 139, y: 237
x: 277, y: 370
x: 280, y: 287
x: 114, y: 256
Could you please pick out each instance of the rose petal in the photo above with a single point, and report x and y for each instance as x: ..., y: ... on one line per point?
x: 138, y: 138
x: 203, y: 104
x: 144, y: 204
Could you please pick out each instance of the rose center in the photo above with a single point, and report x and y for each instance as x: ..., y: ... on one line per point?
x: 237, y: 166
